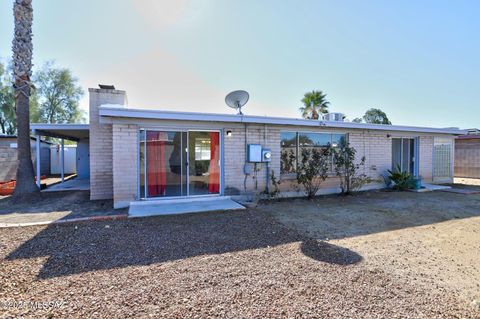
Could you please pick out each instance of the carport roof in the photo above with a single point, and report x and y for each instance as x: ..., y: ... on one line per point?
x: 73, y: 132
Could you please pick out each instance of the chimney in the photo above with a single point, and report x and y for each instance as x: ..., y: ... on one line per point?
x: 101, y: 169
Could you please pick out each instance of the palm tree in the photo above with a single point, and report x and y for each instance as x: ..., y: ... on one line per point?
x: 22, y: 70
x: 314, y: 103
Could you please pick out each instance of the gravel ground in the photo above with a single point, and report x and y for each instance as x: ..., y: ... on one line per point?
x: 429, y: 239
x: 229, y: 265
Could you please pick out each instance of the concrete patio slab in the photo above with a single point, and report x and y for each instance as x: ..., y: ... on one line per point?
x: 56, y: 207
x: 181, y: 206
x: 74, y: 184
x: 429, y: 188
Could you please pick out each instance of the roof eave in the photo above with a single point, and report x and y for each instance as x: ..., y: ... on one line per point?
x: 121, y: 111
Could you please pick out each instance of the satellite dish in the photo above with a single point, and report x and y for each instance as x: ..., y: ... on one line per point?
x: 237, y: 99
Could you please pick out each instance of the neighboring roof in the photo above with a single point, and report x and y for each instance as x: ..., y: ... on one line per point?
x: 473, y: 131
x: 73, y: 132
x: 31, y: 137
x: 113, y: 110
x: 469, y: 137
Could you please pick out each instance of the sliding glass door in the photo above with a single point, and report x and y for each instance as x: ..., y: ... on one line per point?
x: 204, y: 163
x: 179, y: 163
x: 404, y: 155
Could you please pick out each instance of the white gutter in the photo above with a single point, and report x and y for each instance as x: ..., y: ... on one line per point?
x: 114, y: 110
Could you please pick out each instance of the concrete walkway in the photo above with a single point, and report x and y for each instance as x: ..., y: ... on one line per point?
x: 74, y: 184
x: 181, y: 206
x: 56, y: 207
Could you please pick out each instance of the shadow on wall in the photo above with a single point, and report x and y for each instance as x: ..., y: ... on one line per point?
x: 83, y: 247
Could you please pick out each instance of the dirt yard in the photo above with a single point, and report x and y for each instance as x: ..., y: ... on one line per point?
x: 247, y: 264
x: 467, y: 181
x: 431, y: 239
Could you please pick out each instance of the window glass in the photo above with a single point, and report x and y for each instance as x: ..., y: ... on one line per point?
x: 314, y: 139
x: 288, y: 153
x: 292, y: 143
x: 202, y: 149
x: 338, y: 140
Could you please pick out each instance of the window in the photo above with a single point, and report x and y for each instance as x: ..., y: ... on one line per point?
x: 288, y: 154
x: 291, y: 144
x: 202, y: 149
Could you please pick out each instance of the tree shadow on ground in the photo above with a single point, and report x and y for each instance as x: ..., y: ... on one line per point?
x: 90, y: 246
x: 329, y: 253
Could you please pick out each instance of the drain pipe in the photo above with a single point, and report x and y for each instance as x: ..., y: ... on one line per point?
x: 267, y: 188
x: 245, y: 162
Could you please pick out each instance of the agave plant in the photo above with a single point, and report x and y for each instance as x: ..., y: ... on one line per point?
x: 402, y: 180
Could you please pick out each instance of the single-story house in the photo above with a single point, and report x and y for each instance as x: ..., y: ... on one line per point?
x: 145, y: 154
x: 8, y: 157
x: 467, y: 155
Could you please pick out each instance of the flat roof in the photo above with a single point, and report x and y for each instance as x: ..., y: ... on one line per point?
x: 15, y: 136
x: 115, y: 110
x: 73, y: 132
x: 469, y: 137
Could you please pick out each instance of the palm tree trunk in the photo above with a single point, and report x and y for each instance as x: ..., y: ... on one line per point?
x: 22, y: 69
x: 25, y: 174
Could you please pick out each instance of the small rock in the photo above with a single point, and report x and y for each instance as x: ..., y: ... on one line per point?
x: 476, y: 304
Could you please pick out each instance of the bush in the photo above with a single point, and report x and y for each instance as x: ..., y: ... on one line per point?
x: 402, y: 180
x: 313, y: 169
x: 275, y: 182
x: 347, y: 170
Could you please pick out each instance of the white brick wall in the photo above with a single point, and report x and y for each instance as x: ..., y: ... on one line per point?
x: 426, y: 158
x: 376, y: 146
x: 125, y: 164
x: 234, y: 150
x: 101, y: 176
x: 121, y: 178
x: 377, y: 149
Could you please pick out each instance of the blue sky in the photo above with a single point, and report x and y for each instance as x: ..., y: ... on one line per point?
x: 419, y: 61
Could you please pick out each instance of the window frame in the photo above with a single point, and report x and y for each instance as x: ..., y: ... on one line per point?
x: 293, y: 175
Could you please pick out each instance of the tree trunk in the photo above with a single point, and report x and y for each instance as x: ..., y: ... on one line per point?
x: 25, y: 174
x: 22, y: 69
x: 2, y: 126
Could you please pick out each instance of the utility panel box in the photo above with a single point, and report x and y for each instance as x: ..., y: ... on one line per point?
x: 266, y: 155
x: 254, y: 153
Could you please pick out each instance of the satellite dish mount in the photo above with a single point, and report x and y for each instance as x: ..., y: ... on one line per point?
x: 237, y: 99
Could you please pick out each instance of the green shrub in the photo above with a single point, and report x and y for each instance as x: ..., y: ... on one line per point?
x: 313, y: 169
x: 348, y: 170
x: 402, y: 180
x: 275, y: 183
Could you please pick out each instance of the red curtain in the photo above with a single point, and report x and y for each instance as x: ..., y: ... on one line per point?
x: 156, y: 169
x: 214, y: 171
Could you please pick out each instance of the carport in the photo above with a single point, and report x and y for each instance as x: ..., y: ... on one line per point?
x: 79, y: 133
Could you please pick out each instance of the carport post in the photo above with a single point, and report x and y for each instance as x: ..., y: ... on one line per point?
x: 62, y: 160
x: 37, y: 145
